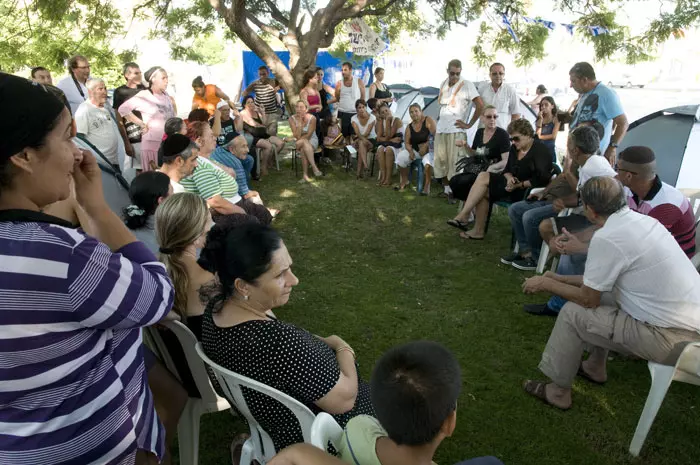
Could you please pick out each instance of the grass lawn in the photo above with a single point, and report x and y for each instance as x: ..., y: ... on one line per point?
x: 379, y: 268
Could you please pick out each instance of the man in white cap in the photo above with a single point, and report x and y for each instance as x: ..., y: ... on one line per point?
x: 231, y: 127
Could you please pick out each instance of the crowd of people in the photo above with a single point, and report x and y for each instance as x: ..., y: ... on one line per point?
x: 196, y: 244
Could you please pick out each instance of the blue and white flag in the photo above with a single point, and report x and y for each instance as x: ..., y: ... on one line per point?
x: 506, y: 22
x: 598, y: 30
x: 529, y: 20
x: 548, y: 24
x: 569, y: 28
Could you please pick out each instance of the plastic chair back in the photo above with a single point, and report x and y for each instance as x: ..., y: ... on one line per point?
x: 324, y: 430
x: 231, y: 383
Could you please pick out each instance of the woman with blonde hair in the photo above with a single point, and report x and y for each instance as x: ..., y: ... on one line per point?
x: 182, y: 223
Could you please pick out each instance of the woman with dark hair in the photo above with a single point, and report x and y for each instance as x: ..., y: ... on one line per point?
x: 254, y: 274
x: 309, y: 92
x: 389, y: 141
x: 155, y: 106
x: 207, y: 96
x: 529, y: 165
x: 146, y: 192
x: 417, y: 137
x: 327, y: 94
x: 363, y: 124
x: 253, y: 118
x: 547, y: 125
x: 379, y: 90
x: 75, y: 369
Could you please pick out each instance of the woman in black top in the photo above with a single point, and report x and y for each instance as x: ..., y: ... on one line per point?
x: 254, y: 274
x: 417, y: 142
x: 379, y: 90
x: 489, y: 152
x: 529, y: 165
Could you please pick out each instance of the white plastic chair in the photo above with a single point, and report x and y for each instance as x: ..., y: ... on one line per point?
x: 324, y: 430
x: 686, y: 370
x: 259, y: 445
x: 210, y: 401
x: 544, y: 251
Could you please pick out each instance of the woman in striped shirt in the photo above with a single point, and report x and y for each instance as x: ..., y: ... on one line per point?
x: 73, y: 385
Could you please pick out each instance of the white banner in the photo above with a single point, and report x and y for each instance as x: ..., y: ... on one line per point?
x: 363, y: 40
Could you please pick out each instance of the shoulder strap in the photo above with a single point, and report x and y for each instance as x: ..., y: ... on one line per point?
x: 107, y: 166
x: 77, y: 84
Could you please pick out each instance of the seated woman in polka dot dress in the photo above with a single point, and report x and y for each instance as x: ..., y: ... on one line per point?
x: 254, y: 272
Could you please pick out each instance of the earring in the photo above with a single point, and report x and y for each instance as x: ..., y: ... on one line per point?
x: 245, y: 297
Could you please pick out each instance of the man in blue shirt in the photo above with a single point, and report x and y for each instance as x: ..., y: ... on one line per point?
x: 598, y: 102
x: 235, y: 155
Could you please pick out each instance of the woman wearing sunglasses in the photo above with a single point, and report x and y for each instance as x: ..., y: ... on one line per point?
x: 529, y: 165
x: 489, y: 152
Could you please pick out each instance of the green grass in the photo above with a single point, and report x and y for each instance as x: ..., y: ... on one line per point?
x: 380, y: 268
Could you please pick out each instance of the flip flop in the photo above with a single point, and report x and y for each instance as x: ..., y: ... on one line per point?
x: 587, y: 377
x: 538, y: 389
x: 458, y: 224
x: 442, y: 195
x: 471, y: 238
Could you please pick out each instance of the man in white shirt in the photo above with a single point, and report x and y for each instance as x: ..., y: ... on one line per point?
x: 74, y: 86
x: 95, y: 120
x: 347, y: 92
x: 455, y: 99
x: 639, y: 295
x: 500, y: 95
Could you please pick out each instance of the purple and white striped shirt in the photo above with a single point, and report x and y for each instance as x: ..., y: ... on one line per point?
x: 73, y: 387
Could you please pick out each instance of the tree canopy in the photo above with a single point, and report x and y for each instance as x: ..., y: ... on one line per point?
x: 44, y: 31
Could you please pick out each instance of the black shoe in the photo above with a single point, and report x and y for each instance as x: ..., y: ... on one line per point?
x: 509, y: 259
x: 525, y: 264
x: 539, y: 310
x: 451, y: 199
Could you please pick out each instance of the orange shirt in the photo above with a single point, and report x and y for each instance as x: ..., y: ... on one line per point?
x: 209, y: 101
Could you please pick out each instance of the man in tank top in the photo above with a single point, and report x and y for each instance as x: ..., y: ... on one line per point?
x: 348, y: 91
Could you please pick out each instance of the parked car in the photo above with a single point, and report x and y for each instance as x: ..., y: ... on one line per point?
x: 626, y: 80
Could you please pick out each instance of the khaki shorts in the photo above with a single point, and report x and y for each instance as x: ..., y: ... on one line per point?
x: 271, y: 120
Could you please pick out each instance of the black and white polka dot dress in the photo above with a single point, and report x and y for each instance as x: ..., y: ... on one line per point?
x: 286, y: 358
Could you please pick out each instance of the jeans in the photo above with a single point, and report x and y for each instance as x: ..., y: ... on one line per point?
x: 569, y: 265
x: 525, y: 217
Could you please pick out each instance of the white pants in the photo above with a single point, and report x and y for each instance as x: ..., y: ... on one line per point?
x: 403, y: 159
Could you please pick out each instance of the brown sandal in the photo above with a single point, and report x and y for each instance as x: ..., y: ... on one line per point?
x: 538, y: 389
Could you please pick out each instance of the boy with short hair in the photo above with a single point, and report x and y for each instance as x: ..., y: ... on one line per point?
x: 414, y: 391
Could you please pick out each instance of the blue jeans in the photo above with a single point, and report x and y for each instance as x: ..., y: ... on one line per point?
x: 525, y: 217
x: 569, y: 265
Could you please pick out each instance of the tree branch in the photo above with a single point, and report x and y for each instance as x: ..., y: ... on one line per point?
x: 276, y: 14
x: 262, y: 26
x: 294, y: 16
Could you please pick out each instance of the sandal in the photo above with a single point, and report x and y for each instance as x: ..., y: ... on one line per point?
x: 464, y: 235
x: 587, y: 377
x: 538, y: 389
x: 458, y: 224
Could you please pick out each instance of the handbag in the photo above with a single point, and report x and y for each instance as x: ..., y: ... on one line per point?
x: 258, y: 132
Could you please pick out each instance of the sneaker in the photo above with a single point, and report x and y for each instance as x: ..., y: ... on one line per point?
x: 509, y: 259
x: 525, y: 264
x: 539, y: 310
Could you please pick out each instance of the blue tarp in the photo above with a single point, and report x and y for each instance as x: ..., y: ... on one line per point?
x: 330, y: 64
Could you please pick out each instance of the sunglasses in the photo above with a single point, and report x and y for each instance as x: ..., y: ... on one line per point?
x: 490, y: 116
x: 455, y: 73
x: 618, y: 169
x: 515, y: 139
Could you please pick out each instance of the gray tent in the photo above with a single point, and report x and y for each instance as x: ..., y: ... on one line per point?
x: 674, y: 136
x: 114, y: 186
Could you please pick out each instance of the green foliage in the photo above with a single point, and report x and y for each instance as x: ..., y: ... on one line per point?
x: 44, y: 33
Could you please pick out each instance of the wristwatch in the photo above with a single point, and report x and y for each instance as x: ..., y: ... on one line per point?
x: 613, y: 145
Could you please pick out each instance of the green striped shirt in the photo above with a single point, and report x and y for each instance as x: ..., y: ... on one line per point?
x: 208, y: 180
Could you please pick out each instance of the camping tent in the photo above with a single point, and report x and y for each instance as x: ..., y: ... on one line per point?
x: 674, y: 135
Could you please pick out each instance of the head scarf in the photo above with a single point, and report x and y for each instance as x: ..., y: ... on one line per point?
x: 34, y: 111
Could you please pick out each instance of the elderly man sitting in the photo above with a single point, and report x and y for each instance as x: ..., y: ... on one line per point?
x: 654, y: 310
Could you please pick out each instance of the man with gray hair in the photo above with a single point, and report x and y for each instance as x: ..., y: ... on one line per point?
x: 98, y: 124
x: 639, y: 295
x: 500, y: 95
x: 527, y: 215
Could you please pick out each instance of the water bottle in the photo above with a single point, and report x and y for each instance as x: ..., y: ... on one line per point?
x: 431, y: 144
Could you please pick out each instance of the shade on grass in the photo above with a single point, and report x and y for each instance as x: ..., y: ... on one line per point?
x: 379, y: 268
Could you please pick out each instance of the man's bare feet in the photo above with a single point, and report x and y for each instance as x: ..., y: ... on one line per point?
x: 549, y: 393
x: 593, y: 372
